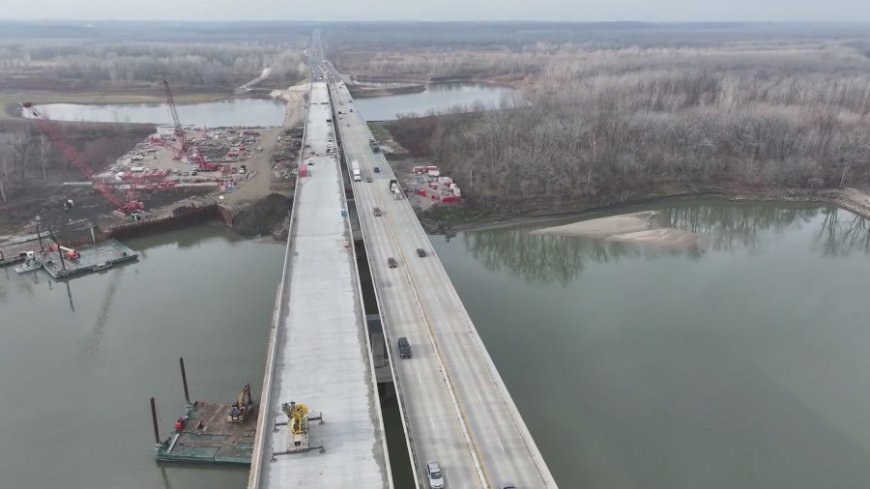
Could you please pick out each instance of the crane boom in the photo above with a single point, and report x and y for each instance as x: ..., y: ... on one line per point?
x: 173, y: 112
x: 50, y: 129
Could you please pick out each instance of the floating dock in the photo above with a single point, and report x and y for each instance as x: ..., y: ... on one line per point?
x: 100, y: 256
x: 207, y: 437
x: 11, y: 260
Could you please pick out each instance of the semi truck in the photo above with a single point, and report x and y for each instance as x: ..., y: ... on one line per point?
x: 395, y: 190
x: 354, y: 166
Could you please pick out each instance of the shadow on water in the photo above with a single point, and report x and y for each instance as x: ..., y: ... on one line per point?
x: 94, y: 338
x: 725, y: 227
x: 186, y: 238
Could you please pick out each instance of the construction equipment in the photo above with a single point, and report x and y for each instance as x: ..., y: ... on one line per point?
x: 243, y: 406
x: 202, y: 165
x: 298, y: 423
x: 173, y: 113
x: 68, y: 253
x: 50, y: 129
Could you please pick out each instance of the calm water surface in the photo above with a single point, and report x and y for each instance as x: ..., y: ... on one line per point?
x: 745, y: 366
x: 80, y: 361
x: 230, y: 112
x: 436, y: 98
x: 264, y: 112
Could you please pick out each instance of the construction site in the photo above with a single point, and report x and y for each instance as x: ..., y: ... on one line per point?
x: 177, y: 176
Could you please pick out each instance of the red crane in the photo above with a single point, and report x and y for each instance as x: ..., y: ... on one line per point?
x: 173, y: 112
x: 50, y: 129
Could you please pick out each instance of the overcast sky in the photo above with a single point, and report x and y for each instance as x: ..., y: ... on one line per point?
x: 346, y: 10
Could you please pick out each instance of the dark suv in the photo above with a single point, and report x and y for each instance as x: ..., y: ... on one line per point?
x: 421, y: 252
x: 404, y: 348
x: 391, y: 262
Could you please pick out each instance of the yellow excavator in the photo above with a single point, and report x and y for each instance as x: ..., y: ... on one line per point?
x: 242, y: 407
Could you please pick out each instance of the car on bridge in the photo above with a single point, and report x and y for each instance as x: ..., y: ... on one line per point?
x: 404, y: 348
x: 392, y: 263
x: 421, y: 252
x: 377, y: 212
x: 436, y: 478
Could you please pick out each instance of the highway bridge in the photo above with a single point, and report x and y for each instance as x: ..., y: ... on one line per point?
x: 454, y: 405
x: 319, y: 354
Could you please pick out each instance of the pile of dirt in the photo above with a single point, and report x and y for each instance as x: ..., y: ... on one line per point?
x: 263, y: 217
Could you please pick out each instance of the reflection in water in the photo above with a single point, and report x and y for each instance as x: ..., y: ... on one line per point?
x: 72, y: 306
x: 843, y: 232
x: 165, y: 477
x: 727, y: 227
x: 95, y: 337
x: 546, y: 258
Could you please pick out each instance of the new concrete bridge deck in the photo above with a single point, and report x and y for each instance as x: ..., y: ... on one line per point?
x: 319, y: 353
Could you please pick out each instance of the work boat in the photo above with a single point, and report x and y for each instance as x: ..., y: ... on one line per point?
x: 31, y: 264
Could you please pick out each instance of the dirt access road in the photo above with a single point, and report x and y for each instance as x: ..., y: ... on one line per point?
x: 259, y: 183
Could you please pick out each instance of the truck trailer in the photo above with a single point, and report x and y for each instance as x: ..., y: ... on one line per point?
x: 395, y: 190
x: 354, y: 166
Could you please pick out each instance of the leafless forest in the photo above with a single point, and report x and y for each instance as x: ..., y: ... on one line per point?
x: 617, y: 124
x: 96, y: 64
x: 613, y: 112
x: 29, y: 163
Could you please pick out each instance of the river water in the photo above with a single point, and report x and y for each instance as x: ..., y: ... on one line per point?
x: 265, y: 112
x: 80, y: 360
x: 744, y: 365
x: 230, y: 112
x: 437, y: 98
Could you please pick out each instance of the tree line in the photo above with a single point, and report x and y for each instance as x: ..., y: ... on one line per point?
x: 29, y: 161
x: 613, y: 125
x: 128, y: 63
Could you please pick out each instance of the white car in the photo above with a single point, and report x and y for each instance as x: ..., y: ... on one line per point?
x: 436, y: 478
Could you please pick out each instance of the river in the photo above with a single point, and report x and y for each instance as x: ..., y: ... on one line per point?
x: 265, y: 112
x: 740, y: 366
x: 230, y: 112
x: 437, y: 98
x: 81, y: 359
